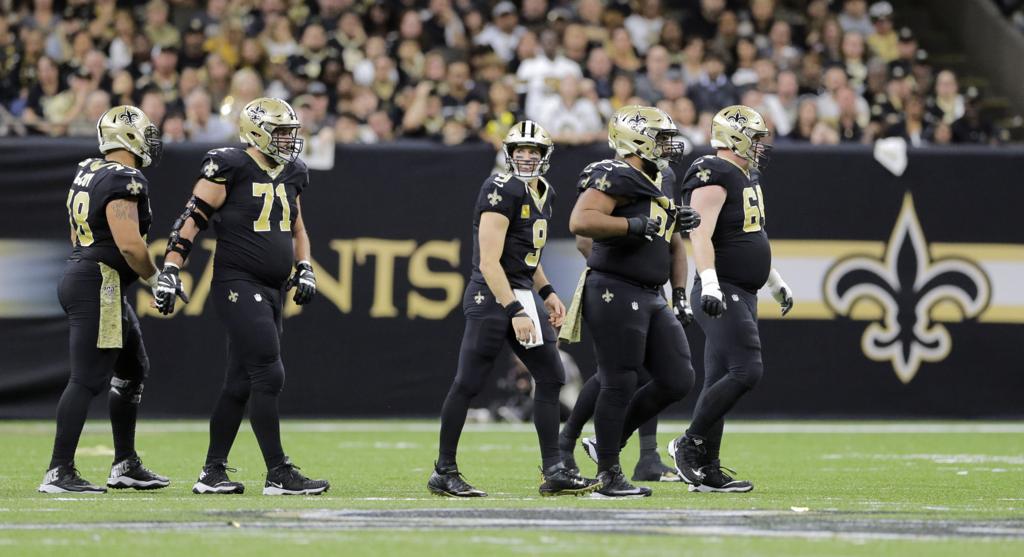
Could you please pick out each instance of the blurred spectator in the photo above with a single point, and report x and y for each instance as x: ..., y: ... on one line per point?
x: 649, y: 84
x: 164, y: 77
x: 824, y: 134
x: 941, y: 134
x: 174, y: 128
x: 810, y: 74
x: 831, y: 44
x: 201, y: 124
x: 713, y: 90
x: 48, y: 105
x: 744, y: 74
x: 703, y: 21
x: 854, y: 17
x: 906, y: 49
x: 459, y: 92
x: 727, y: 35
x: 850, y: 131
x: 854, y: 60
x: 193, y: 53
x: 645, y: 25
x: 685, y: 115
x: 97, y: 102
x: 571, y: 118
x: 535, y: 14
x: 500, y: 115
x: 621, y: 51
x: 783, y: 105
x: 693, y: 60
x: 540, y: 74
x: 158, y: 28
x: 504, y: 31
x: 122, y: 89
x: 781, y: 49
x: 806, y: 120
x: 972, y: 127
x: 912, y: 126
x: 828, y: 102
x: 120, y: 50
x: 883, y: 40
x: 599, y: 71
x: 947, y: 104
x: 574, y: 43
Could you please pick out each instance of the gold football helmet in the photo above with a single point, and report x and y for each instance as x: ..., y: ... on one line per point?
x: 740, y: 129
x: 271, y: 126
x: 647, y: 132
x: 528, y: 132
x: 127, y: 127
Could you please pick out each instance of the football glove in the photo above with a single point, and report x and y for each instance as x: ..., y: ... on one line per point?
x: 643, y: 226
x: 711, y: 299
x: 681, y: 307
x: 686, y: 218
x: 168, y: 289
x: 781, y: 291
x: 304, y: 283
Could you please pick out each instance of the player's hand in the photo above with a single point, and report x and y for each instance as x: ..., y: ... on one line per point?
x: 686, y: 218
x: 643, y: 226
x: 681, y: 307
x: 168, y: 290
x: 556, y: 310
x: 304, y: 282
x: 711, y: 301
x: 525, y: 331
x: 781, y: 291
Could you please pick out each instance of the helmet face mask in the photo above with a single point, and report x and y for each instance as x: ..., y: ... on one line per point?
x: 270, y: 125
x: 527, y: 133
x: 128, y: 128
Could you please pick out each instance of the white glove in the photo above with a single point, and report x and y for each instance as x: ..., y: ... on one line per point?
x: 781, y: 291
x: 711, y: 300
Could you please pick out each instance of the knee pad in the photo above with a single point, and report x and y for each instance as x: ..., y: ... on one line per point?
x: 620, y: 385
x: 269, y: 379
x: 237, y: 389
x: 126, y: 389
x: 94, y: 386
x: 749, y: 374
x: 547, y: 391
x: 468, y: 389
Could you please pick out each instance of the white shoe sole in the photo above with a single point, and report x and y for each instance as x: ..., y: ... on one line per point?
x: 709, y: 489
x: 50, y: 488
x: 125, y: 482
x: 596, y: 495
x: 590, y: 447
x: 281, y: 491
x: 202, y: 489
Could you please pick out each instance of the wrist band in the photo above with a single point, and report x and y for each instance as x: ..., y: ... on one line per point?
x: 513, y: 309
x: 546, y: 291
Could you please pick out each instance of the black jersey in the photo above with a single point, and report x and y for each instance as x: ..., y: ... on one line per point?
x: 527, y: 214
x: 97, y: 183
x: 254, y: 226
x: 742, y: 254
x: 646, y: 262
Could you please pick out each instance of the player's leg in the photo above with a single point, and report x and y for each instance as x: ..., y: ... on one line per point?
x: 649, y: 467
x: 123, y: 398
x: 581, y: 413
x: 227, y: 416
x: 620, y: 334
x: 79, y: 294
x: 482, y: 341
x: 733, y: 367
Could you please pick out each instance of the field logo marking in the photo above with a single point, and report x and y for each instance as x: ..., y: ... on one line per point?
x: 907, y: 284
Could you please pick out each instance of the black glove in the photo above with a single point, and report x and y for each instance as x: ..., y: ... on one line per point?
x: 686, y: 218
x: 304, y: 282
x: 168, y: 290
x: 711, y: 300
x: 681, y: 307
x: 643, y: 227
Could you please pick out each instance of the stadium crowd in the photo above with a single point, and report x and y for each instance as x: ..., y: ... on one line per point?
x: 456, y: 71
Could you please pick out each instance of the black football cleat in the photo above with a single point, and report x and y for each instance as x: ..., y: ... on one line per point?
x: 287, y: 480
x: 614, y: 484
x: 589, y: 445
x: 449, y: 482
x: 717, y: 481
x: 65, y: 479
x: 561, y: 480
x: 565, y: 447
x: 687, y: 451
x: 131, y: 473
x: 650, y: 468
x: 214, y: 480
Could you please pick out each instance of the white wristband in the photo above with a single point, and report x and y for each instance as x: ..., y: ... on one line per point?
x: 774, y: 280
x: 151, y: 281
x: 709, y: 277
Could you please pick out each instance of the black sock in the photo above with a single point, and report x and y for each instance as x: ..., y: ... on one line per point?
x: 224, y: 423
x: 713, y: 441
x: 609, y: 416
x: 72, y: 410
x: 124, y: 410
x: 453, y: 418
x: 545, y: 420
x: 714, y: 403
x: 649, y: 437
x: 582, y: 411
x: 266, y: 424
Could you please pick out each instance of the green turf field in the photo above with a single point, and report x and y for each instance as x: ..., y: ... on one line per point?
x: 822, y: 488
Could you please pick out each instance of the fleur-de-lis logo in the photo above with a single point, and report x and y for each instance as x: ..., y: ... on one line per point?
x: 494, y: 197
x: 129, y: 117
x: 908, y: 284
x: 479, y: 298
x: 232, y: 296
x: 637, y: 122
x: 704, y: 174
x: 602, y: 183
x: 256, y: 113
x: 210, y: 169
x: 737, y: 118
x: 607, y: 296
x: 134, y: 187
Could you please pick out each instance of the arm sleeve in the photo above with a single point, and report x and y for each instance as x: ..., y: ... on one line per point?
x: 498, y: 198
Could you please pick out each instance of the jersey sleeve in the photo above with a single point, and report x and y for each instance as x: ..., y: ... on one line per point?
x: 217, y: 167
x: 499, y: 195
x: 609, y: 176
x: 302, y: 171
x: 126, y: 183
x: 705, y: 171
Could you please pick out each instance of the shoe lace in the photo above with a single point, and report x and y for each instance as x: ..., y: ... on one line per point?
x: 717, y: 469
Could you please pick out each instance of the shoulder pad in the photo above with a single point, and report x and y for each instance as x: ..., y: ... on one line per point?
x: 709, y: 170
x: 218, y: 164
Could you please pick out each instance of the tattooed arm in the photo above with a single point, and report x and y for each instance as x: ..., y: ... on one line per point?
x: 123, y: 218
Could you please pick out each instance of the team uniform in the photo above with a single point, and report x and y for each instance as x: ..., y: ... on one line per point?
x: 732, y: 351
x: 626, y: 312
x: 106, y: 347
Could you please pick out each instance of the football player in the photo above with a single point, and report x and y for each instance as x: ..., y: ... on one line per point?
x: 109, y: 215
x: 509, y: 300
x: 734, y: 260
x: 256, y: 194
x: 626, y: 207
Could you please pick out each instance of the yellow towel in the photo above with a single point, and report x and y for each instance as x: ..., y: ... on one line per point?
x: 572, y: 327
x: 110, y: 309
